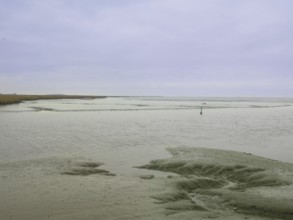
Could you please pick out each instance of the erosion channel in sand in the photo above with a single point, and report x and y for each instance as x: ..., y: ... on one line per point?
x: 223, y: 183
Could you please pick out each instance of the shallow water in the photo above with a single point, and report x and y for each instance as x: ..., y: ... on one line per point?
x: 131, y: 131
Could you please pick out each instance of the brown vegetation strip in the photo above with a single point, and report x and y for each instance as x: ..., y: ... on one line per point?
x: 14, y: 99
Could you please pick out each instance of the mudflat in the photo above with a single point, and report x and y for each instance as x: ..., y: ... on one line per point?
x: 201, y: 183
x: 100, y: 159
x: 222, y: 184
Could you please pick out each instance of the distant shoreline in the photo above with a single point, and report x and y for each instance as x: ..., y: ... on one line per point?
x: 15, y: 99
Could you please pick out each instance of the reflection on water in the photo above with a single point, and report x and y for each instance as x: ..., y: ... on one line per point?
x: 125, y: 132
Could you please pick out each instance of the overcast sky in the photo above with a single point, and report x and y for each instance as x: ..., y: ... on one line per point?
x: 147, y: 47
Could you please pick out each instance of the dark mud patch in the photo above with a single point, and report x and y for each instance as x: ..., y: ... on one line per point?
x: 90, y: 164
x: 86, y: 168
x: 218, y: 186
x: 37, y: 109
x: 147, y: 176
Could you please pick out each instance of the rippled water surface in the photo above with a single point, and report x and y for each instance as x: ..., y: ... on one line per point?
x: 124, y: 132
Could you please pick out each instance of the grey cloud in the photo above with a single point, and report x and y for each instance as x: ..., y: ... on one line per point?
x: 144, y: 47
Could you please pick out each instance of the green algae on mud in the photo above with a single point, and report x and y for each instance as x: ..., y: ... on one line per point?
x: 218, y: 182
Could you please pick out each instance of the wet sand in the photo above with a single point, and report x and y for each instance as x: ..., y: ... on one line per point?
x: 200, y: 183
x: 67, y: 159
x: 55, y: 188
